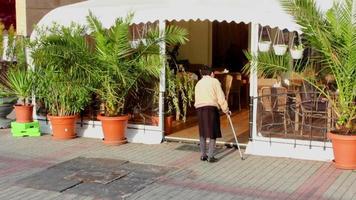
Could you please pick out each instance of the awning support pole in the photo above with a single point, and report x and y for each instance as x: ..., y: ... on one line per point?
x: 162, y: 79
x: 253, y: 80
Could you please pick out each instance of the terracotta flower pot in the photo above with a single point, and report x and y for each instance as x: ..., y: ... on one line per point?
x: 168, y: 124
x: 154, y: 120
x: 114, y: 129
x: 23, y: 113
x: 168, y: 121
x: 63, y: 128
x: 344, y: 147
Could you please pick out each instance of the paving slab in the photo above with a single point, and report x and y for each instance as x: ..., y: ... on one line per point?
x: 102, y: 178
x: 50, y: 179
x: 164, y: 171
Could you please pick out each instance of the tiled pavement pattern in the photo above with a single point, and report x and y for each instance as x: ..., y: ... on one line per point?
x: 254, y: 178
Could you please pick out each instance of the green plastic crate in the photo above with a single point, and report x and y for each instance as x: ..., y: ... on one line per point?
x: 22, y: 126
x: 31, y: 129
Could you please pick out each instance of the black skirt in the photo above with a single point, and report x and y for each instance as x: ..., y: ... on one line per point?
x: 209, y: 122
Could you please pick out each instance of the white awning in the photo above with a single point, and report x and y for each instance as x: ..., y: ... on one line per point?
x: 264, y: 12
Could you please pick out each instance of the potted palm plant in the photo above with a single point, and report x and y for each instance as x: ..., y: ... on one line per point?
x: 178, y: 97
x: 17, y: 81
x: 122, y: 66
x: 332, y: 34
x: 64, y: 66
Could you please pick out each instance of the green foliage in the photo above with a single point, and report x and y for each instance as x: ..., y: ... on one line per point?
x: 2, y: 27
x: 185, y: 85
x: 62, y: 96
x: 179, y: 93
x: 298, y: 47
x: 333, y: 35
x: 123, y: 67
x: 171, y: 94
x: 18, y: 82
x: 270, y: 64
x: 11, y: 46
x: 65, y: 69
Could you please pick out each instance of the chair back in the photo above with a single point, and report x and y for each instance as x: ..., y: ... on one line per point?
x: 274, y: 99
x: 281, y: 102
x: 311, y: 100
x: 266, y: 98
x: 228, y: 84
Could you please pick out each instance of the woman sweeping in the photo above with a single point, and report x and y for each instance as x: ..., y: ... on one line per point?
x: 209, y: 97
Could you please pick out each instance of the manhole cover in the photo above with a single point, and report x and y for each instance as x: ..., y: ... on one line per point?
x: 96, y: 176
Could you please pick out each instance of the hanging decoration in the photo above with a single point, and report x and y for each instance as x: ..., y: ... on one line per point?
x: 279, y: 49
x: 264, y: 45
x: 296, y: 51
x: 139, y: 37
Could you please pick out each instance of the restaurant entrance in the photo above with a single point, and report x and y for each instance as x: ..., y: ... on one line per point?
x: 219, y: 45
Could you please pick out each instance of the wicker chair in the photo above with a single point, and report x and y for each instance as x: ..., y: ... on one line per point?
x: 274, y: 100
x: 312, y: 106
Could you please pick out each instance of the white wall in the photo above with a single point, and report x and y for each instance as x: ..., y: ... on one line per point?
x: 199, y: 48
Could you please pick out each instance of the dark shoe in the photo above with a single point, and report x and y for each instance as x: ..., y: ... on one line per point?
x: 204, y: 158
x: 212, y: 159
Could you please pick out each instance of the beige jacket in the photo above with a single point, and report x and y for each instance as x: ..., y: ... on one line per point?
x: 208, y: 92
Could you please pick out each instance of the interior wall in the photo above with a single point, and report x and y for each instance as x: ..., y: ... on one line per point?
x: 7, y: 13
x: 229, y: 41
x: 199, y: 48
x: 35, y: 10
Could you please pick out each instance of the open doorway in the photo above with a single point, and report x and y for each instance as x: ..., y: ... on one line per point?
x: 219, y: 45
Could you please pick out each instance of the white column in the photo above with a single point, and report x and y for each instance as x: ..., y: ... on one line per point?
x: 162, y: 85
x: 253, y: 74
x: 21, y: 18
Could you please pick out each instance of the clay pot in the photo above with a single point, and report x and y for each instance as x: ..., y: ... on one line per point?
x: 23, y: 113
x: 63, y: 127
x: 344, y: 147
x: 154, y: 120
x: 168, y: 124
x: 114, y: 129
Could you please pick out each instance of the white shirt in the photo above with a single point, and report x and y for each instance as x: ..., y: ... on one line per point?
x: 208, y: 92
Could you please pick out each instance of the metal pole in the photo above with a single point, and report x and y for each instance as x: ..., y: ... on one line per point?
x: 250, y: 118
x: 162, y: 80
x: 253, y: 79
x: 233, y: 131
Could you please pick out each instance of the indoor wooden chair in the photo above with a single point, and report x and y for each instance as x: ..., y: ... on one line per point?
x: 233, y: 85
